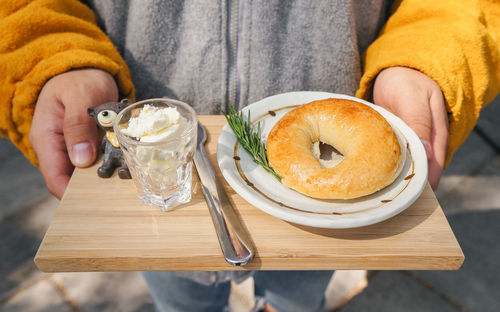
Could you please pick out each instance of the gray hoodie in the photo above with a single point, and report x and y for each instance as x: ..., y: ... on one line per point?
x: 210, y: 54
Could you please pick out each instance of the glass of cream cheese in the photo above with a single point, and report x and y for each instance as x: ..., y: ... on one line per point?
x: 158, y: 139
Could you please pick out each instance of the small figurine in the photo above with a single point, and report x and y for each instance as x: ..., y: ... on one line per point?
x: 104, y: 115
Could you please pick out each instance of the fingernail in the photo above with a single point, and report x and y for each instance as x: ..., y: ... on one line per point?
x: 428, y: 149
x: 81, y: 154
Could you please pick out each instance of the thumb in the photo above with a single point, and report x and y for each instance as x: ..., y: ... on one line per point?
x: 418, y: 101
x: 80, y: 134
x: 421, y: 122
x: 414, y: 110
x: 83, y: 89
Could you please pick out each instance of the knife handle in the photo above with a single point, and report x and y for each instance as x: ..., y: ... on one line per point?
x: 233, y: 238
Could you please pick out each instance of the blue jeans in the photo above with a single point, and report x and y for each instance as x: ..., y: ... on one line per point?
x: 289, y: 291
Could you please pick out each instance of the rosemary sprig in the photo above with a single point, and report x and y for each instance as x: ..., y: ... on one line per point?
x: 249, y: 138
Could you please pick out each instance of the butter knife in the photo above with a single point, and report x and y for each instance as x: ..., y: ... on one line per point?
x: 233, y: 238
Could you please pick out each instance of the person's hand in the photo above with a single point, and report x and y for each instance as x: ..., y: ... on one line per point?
x: 418, y: 101
x: 62, y: 134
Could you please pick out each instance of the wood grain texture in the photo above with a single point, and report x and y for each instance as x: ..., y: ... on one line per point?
x: 101, y: 225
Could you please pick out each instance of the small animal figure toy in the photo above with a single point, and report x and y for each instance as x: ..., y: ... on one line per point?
x: 104, y: 115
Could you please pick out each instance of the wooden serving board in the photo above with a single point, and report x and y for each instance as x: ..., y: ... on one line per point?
x: 101, y: 225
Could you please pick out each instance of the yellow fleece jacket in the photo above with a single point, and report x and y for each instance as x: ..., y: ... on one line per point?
x: 455, y: 42
x: 38, y: 40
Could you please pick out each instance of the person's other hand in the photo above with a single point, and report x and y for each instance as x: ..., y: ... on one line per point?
x: 62, y: 134
x: 418, y: 101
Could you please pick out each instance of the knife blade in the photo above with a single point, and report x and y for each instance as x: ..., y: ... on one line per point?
x: 233, y: 238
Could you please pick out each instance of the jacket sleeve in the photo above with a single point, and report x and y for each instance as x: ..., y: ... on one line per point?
x: 453, y: 42
x: 38, y: 40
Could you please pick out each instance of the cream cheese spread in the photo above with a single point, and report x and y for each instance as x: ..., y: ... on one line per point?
x: 154, y: 124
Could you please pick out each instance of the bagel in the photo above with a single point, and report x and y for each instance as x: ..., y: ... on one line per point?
x: 370, y: 148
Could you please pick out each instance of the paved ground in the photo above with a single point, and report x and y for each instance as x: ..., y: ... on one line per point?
x: 469, y: 193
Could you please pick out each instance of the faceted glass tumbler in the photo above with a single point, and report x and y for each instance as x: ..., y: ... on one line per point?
x: 161, y: 171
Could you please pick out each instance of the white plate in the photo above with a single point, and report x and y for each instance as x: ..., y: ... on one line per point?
x: 264, y: 191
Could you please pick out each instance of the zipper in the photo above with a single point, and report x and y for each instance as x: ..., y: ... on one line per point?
x: 232, y: 94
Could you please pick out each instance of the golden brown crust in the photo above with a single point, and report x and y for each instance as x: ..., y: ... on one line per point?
x: 371, y: 150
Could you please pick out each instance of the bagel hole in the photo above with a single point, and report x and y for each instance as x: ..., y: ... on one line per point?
x: 327, y: 155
